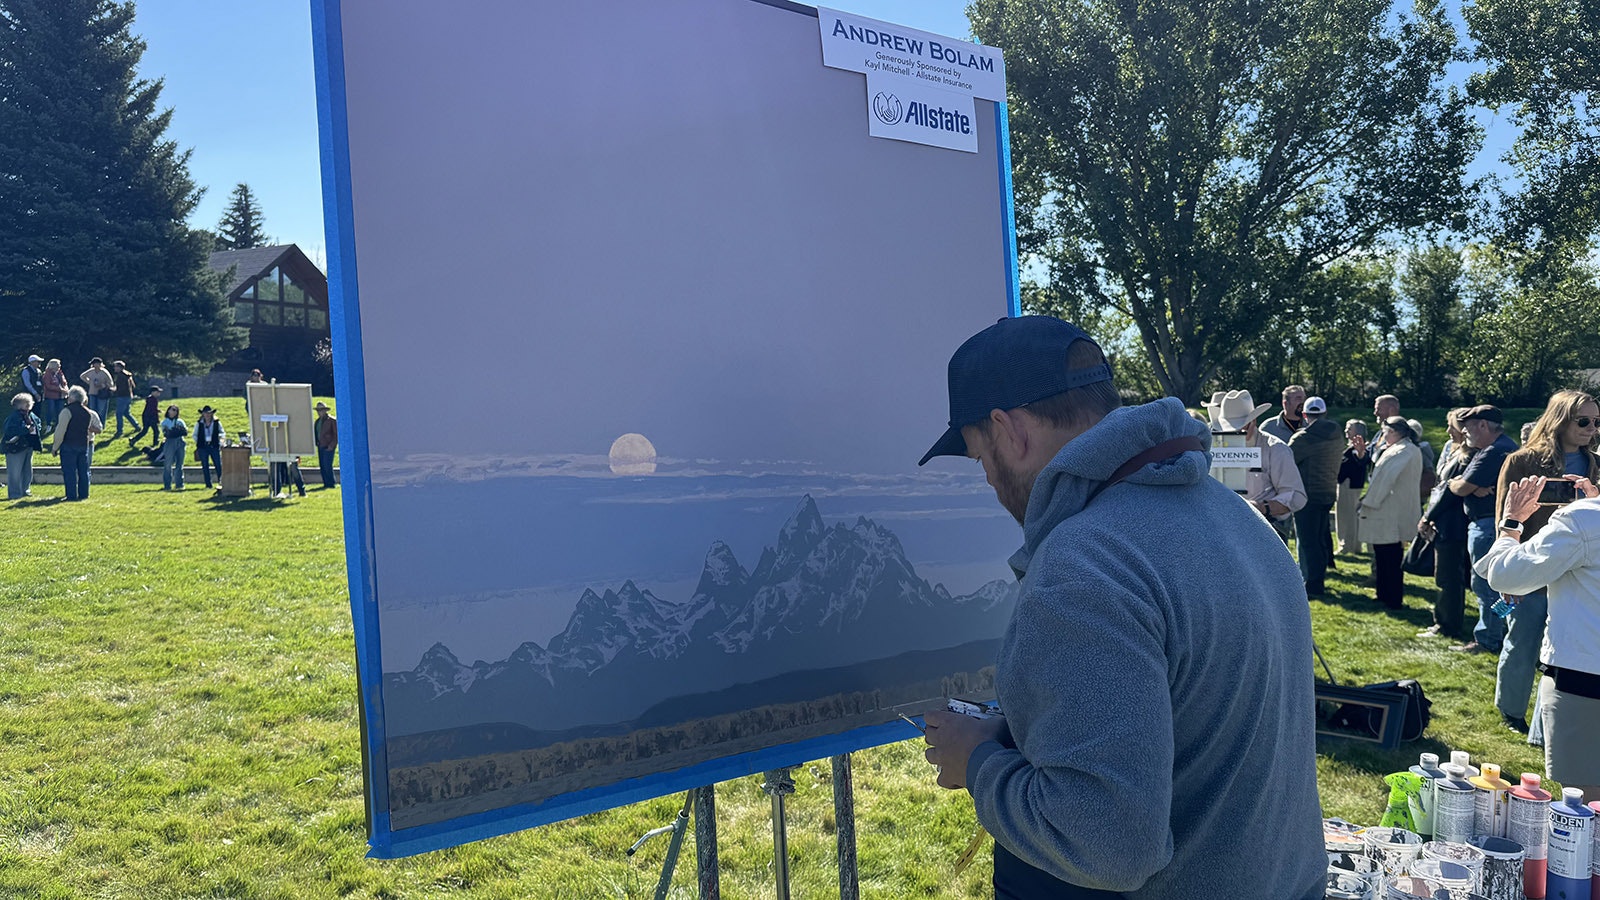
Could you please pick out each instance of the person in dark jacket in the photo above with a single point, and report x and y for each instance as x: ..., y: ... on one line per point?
x: 31, y: 379
x: 151, y: 416
x: 327, y: 429
x: 1318, y: 448
x: 122, y: 395
x: 20, y: 440
x: 74, y: 442
x: 1445, y: 523
x: 208, y: 437
x: 1353, y: 467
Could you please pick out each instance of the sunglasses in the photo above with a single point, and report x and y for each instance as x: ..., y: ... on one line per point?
x: 1585, y: 421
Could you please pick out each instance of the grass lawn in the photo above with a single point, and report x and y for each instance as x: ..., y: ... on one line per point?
x: 178, y: 720
x: 230, y: 412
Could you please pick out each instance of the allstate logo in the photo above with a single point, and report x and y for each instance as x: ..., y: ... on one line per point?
x: 887, y: 108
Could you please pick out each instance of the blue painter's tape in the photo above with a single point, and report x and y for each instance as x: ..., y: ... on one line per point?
x: 350, y: 391
x: 1008, y: 212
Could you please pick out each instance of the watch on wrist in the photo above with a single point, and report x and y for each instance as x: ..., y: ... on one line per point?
x: 1510, y: 524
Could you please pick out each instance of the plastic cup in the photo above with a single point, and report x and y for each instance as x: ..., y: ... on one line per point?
x: 1339, y: 835
x: 1394, y: 848
x: 1407, y: 887
x: 1344, y: 885
x: 1456, y: 879
x: 1502, y: 868
x: 1359, y: 863
x: 1461, y: 854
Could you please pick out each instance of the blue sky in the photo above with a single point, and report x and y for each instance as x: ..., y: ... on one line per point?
x: 239, y: 76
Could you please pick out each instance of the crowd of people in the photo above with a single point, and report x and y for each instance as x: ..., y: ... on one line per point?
x: 1459, y: 505
x: 72, y: 418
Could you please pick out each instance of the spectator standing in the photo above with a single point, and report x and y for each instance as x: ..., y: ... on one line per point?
x: 1445, y: 522
x: 100, y: 387
x: 1384, y: 408
x: 1562, y: 443
x: 19, y: 440
x: 1352, y: 478
x: 122, y: 394
x: 327, y: 434
x: 55, y: 392
x: 1391, y: 507
x: 1318, y: 449
x: 150, y: 416
x: 1484, y: 425
x: 31, y: 380
x: 208, y: 438
x: 1276, y: 490
x: 173, y: 434
x: 1430, y: 460
x: 1284, y: 425
x: 74, y: 442
x: 1565, y: 556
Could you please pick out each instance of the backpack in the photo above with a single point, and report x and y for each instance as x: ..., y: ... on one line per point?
x: 1417, y: 710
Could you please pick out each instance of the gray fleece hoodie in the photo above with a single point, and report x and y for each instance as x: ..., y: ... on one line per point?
x: 1156, y: 676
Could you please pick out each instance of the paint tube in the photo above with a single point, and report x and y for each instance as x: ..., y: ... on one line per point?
x: 1571, y: 847
x: 1464, y: 759
x: 1456, y: 802
x: 1427, y: 768
x: 1403, y: 790
x: 1528, y: 823
x: 1494, y: 793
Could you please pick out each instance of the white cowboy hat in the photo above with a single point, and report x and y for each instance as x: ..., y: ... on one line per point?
x: 1233, y: 410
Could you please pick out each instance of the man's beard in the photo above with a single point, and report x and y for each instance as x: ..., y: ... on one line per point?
x: 1012, y: 489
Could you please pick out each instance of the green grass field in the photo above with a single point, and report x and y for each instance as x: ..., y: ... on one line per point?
x: 178, y: 720
x: 230, y: 411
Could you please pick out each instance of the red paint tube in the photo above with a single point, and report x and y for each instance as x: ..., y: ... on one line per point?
x: 1529, y: 825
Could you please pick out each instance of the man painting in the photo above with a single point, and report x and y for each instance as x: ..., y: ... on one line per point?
x: 1120, y: 675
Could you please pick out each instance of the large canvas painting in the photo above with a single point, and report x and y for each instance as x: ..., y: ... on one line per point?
x: 637, y: 355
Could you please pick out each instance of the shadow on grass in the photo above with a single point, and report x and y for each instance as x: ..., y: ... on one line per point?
x: 1374, y: 760
x: 40, y: 501
x: 259, y: 500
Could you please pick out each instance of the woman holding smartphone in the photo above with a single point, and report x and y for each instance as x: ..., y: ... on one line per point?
x: 1562, y: 443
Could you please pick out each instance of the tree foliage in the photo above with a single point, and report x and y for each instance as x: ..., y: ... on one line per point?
x: 95, y: 255
x: 1543, y: 59
x: 1534, y: 327
x: 1431, y: 340
x: 241, y: 225
x: 1191, y: 165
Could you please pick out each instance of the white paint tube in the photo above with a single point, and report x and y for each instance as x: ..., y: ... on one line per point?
x: 1455, y: 805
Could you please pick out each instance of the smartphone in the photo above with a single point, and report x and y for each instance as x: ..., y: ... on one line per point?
x: 1558, y: 490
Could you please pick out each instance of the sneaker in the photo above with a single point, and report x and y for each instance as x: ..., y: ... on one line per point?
x: 1431, y: 631
x: 1514, y: 723
x: 178, y: 488
x: 1472, y: 647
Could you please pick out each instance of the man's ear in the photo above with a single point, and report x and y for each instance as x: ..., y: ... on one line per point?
x: 1009, y: 430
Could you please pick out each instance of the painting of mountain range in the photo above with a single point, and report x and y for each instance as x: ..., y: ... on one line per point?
x: 831, y: 629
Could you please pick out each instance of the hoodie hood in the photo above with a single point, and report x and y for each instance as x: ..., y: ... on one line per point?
x: 1067, y: 484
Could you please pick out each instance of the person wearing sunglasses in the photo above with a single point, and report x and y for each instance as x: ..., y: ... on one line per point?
x: 1562, y: 443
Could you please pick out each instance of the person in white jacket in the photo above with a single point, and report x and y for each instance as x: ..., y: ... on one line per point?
x: 1392, y: 506
x: 1564, y: 556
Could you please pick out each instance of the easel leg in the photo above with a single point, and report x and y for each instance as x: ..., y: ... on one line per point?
x: 844, y: 817
x: 778, y: 785
x: 705, y: 843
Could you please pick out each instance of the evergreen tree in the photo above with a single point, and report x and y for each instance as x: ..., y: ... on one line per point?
x: 96, y: 258
x: 240, y: 228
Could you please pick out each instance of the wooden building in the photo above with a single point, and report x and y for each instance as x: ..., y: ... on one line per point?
x: 282, y: 297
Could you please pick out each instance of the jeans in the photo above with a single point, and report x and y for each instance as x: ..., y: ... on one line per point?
x: 52, y: 410
x: 1311, y: 542
x: 1450, y: 574
x: 122, y: 413
x: 1491, y: 629
x: 1519, y: 654
x: 210, y: 456
x: 99, y: 405
x: 325, y: 463
x: 172, y: 462
x: 75, y: 471
x: 151, y: 428
x: 19, y: 474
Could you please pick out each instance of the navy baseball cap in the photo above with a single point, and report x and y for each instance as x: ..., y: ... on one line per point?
x: 1009, y: 364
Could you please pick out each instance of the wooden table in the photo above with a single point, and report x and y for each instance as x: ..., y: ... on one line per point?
x: 235, y: 479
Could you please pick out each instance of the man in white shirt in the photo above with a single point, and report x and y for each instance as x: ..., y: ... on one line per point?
x: 1565, y: 556
x: 1276, y: 489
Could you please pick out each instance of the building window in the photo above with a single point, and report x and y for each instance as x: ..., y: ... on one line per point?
x: 267, y: 286
x: 248, y: 293
x: 294, y: 316
x: 319, y: 319
x: 267, y: 313
x: 244, y: 313
x: 292, y: 293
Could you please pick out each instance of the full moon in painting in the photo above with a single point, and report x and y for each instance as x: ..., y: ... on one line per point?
x: 633, y: 454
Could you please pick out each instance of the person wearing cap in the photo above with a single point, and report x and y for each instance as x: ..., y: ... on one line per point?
x: 208, y: 438
x: 1563, y: 558
x: 122, y: 390
x: 1122, y: 679
x: 31, y: 378
x: 150, y: 417
x: 1562, y: 443
x: 1318, y: 449
x: 1275, y: 489
x: 327, y: 435
x: 1484, y: 425
x: 100, y: 386
x: 1391, y: 508
x: 1292, y: 418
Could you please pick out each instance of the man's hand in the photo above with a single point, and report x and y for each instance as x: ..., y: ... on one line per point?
x: 951, y: 739
x: 1426, y: 528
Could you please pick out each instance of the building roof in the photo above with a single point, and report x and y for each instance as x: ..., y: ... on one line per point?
x: 254, y: 261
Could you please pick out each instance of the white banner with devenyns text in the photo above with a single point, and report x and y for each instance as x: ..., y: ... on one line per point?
x: 920, y: 86
x: 908, y: 110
